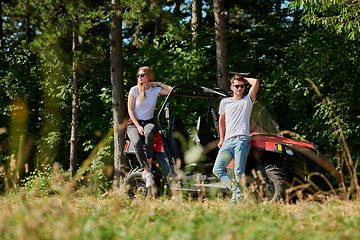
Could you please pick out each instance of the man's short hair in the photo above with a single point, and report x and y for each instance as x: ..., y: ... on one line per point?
x: 237, y: 77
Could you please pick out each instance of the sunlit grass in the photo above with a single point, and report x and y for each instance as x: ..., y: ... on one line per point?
x: 86, y: 217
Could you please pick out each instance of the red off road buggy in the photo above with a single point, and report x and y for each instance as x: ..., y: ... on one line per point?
x: 186, y: 148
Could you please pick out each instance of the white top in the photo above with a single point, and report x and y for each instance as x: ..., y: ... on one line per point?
x: 144, y: 110
x: 237, y: 116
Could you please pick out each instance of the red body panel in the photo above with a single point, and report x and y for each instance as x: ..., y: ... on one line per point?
x: 158, y: 147
x: 268, y: 142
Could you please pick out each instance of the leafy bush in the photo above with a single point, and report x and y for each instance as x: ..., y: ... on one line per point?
x: 98, y: 174
x: 45, y: 182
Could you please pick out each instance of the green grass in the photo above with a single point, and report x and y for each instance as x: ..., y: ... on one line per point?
x: 25, y: 216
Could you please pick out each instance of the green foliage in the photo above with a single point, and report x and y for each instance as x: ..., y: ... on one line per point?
x: 340, y: 16
x: 40, y: 71
x: 51, y: 180
x: 329, y: 61
x: 40, y: 182
x: 173, y: 58
x: 98, y: 175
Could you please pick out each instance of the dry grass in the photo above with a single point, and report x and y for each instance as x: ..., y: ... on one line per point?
x: 84, y: 217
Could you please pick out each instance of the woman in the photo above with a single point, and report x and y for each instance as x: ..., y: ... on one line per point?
x: 141, y: 104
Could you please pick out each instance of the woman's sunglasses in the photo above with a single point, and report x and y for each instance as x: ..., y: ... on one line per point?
x: 140, y: 75
x: 239, y: 86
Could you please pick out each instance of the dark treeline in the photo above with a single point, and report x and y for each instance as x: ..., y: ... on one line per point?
x: 54, y: 52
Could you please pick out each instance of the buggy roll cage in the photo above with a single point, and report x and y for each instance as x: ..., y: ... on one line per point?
x: 208, y: 94
x: 260, y: 111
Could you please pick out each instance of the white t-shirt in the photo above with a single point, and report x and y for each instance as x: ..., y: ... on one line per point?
x: 237, y: 116
x: 144, y: 110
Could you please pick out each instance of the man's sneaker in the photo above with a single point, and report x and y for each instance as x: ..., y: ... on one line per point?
x: 149, y: 178
x: 239, y: 197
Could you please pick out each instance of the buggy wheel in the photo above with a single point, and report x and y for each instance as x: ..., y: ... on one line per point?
x: 269, y: 183
x: 135, y: 186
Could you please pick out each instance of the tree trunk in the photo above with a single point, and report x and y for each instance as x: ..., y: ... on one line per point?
x: 118, y: 96
x: 196, y: 19
x: 76, y: 43
x: 177, y: 4
x: 221, y: 44
x: 1, y: 22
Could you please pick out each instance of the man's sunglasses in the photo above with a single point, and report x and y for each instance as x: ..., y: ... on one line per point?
x: 239, y: 86
x: 140, y: 75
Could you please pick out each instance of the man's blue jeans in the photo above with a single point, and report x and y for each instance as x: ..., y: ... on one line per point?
x: 237, y: 148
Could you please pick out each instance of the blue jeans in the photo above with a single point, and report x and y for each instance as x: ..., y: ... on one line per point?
x: 237, y: 148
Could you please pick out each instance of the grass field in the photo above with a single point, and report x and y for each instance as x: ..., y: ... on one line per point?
x: 69, y: 216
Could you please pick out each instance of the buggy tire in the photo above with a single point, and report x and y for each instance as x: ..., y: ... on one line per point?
x: 269, y: 183
x: 135, y: 186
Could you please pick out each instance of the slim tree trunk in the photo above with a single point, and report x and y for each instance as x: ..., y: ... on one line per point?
x: 1, y: 22
x: 76, y: 43
x: 196, y: 18
x: 177, y: 4
x: 118, y: 96
x: 221, y: 44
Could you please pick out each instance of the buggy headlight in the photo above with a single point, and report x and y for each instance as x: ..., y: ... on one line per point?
x: 289, y: 151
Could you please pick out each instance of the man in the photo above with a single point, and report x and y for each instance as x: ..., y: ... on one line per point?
x: 234, y: 127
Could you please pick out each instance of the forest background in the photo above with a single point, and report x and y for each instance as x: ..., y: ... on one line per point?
x: 67, y: 66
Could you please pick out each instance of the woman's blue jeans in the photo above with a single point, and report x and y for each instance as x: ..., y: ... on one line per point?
x: 237, y: 148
